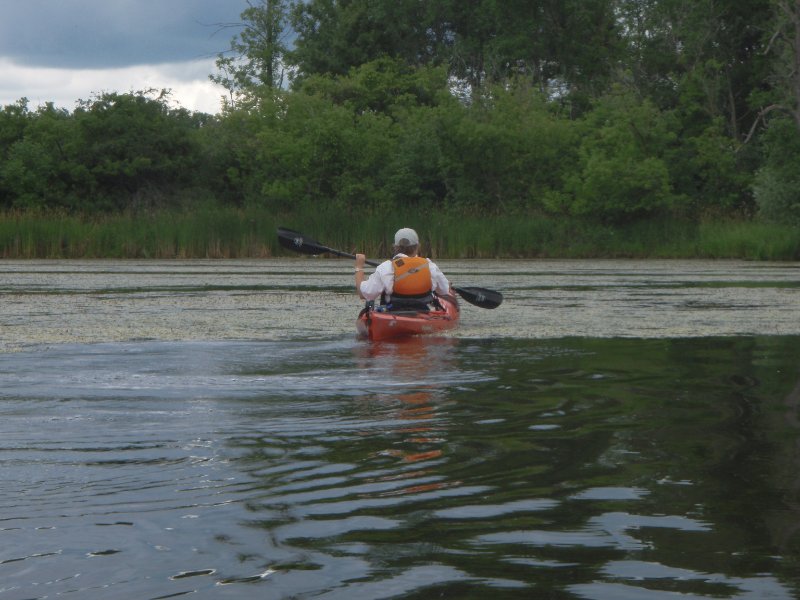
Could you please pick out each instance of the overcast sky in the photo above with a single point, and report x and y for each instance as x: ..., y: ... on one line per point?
x: 62, y: 51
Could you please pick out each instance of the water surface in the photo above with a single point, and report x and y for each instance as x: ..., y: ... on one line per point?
x: 214, y: 429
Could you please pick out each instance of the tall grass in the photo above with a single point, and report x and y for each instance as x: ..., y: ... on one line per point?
x: 755, y: 241
x: 208, y: 233
x: 250, y: 233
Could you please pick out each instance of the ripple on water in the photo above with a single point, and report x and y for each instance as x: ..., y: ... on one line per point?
x: 419, y: 475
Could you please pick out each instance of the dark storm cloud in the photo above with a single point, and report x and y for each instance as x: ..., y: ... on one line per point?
x: 114, y: 33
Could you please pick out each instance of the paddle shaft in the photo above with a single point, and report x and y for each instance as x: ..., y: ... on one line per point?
x: 371, y: 263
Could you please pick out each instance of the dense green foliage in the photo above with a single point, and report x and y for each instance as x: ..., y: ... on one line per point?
x: 610, y: 112
x: 119, y: 151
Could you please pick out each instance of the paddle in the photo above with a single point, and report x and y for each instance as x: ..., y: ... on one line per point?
x: 297, y: 242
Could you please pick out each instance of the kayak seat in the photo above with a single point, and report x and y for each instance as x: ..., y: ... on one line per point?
x: 411, y: 304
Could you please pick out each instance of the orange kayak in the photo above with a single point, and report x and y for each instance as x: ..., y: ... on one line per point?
x: 377, y: 324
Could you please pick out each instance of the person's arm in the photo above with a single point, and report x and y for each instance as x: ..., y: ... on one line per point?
x: 379, y: 282
x: 360, y: 262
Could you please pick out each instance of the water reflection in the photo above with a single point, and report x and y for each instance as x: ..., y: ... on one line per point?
x: 413, y: 363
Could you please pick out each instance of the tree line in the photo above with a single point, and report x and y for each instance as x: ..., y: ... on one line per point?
x: 609, y: 110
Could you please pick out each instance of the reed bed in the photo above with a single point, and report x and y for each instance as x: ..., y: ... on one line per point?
x: 250, y: 233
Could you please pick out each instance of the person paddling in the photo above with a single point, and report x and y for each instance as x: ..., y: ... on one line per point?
x: 407, y: 281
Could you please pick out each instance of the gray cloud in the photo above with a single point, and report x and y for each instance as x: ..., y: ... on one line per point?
x: 80, y: 34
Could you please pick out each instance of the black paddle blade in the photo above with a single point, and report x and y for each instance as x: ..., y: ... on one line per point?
x: 297, y: 242
x: 479, y: 296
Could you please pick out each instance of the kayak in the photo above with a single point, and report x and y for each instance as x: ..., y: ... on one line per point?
x: 378, y: 324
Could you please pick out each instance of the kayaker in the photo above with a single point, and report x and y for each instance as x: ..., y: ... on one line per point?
x: 407, y: 280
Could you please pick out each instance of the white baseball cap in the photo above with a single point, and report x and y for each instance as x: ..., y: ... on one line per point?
x: 406, y: 237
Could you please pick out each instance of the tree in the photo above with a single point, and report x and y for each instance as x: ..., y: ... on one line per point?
x: 556, y: 44
x: 139, y: 151
x: 562, y: 47
x: 384, y: 85
x: 309, y: 152
x: 784, y: 46
x: 39, y: 171
x: 622, y: 171
x: 506, y: 152
x: 701, y: 57
x: 334, y: 36
x: 257, y: 51
x: 777, y: 184
x: 14, y: 120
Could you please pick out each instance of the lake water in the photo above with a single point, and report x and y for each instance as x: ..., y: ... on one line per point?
x: 213, y: 429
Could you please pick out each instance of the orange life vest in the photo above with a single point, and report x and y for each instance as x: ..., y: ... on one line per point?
x: 412, y: 276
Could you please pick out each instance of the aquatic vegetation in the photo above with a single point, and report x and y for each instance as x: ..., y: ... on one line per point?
x: 227, y: 232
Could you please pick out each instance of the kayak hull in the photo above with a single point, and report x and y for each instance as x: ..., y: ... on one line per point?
x: 378, y: 326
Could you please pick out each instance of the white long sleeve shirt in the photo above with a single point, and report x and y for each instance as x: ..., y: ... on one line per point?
x: 382, y: 280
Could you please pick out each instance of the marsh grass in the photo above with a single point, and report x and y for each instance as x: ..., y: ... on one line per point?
x: 213, y: 232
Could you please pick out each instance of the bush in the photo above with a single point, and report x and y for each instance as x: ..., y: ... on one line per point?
x: 623, y: 172
x: 777, y: 183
